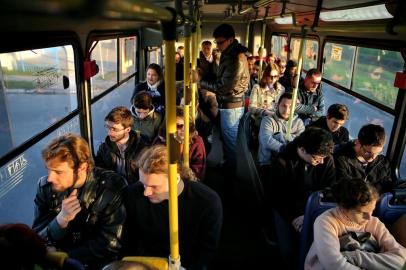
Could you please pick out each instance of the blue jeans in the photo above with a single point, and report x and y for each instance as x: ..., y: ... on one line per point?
x: 229, y: 121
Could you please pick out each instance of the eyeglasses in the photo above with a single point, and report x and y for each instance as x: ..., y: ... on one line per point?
x: 219, y: 42
x: 113, y: 129
x: 369, y: 152
x: 179, y: 126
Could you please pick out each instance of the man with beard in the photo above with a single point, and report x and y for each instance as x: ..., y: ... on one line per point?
x: 272, y: 133
x: 78, y: 208
x: 121, y: 146
x: 146, y: 231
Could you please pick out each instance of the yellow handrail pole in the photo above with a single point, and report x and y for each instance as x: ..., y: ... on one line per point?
x: 296, y: 85
x: 262, y: 45
x: 187, y: 96
x: 194, y: 67
x: 169, y: 36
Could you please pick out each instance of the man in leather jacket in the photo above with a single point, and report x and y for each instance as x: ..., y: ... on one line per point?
x: 78, y: 208
x: 121, y: 146
x: 230, y: 85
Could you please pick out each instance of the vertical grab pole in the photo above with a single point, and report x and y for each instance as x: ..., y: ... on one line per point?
x: 187, y: 95
x: 263, y: 32
x: 194, y: 67
x: 169, y: 36
x: 296, y: 85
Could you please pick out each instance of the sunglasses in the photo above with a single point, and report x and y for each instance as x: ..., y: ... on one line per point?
x: 179, y: 126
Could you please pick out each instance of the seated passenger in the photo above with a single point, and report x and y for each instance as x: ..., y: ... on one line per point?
x: 337, y: 115
x: 311, y: 98
x: 253, y: 69
x: 336, y: 231
x: 197, y: 151
x: 78, y: 208
x: 272, y: 133
x: 146, y: 232
x: 155, y: 86
x: 303, y: 167
x: 121, y: 146
x: 179, y: 67
x: 281, y: 62
x: 264, y: 96
x: 21, y: 248
x: 361, y: 158
x: 146, y: 119
x: 287, y: 77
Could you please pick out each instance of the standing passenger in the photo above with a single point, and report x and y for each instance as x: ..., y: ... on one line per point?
x: 289, y: 74
x: 146, y: 231
x: 78, y: 208
x: 334, y: 246
x: 155, y: 86
x: 121, y: 146
x: 231, y: 83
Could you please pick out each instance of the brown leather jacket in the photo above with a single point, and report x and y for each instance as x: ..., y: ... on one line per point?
x: 232, y: 75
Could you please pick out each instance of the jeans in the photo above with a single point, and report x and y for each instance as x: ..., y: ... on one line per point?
x: 229, y: 121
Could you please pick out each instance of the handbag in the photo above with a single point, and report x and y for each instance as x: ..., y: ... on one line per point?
x: 358, y: 240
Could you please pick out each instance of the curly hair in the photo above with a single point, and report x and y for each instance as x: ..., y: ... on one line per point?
x: 354, y: 193
x: 316, y: 141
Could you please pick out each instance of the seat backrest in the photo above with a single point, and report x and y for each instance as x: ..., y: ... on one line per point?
x: 246, y: 169
x: 387, y: 211
x: 315, y: 206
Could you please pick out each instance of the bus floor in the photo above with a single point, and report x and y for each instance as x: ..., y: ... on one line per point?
x: 242, y: 245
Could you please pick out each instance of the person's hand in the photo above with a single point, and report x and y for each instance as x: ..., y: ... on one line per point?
x: 298, y: 223
x: 70, y: 208
x: 194, y: 76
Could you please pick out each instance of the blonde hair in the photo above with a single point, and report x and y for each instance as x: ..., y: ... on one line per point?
x: 69, y: 148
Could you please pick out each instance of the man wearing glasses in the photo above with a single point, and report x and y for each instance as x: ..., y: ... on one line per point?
x: 361, y: 158
x: 121, y: 146
x: 229, y: 86
x: 311, y: 98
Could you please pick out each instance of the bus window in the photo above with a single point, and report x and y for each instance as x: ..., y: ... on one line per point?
x: 37, y: 89
x: 338, y: 63
x: 105, y: 54
x: 18, y: 178
x: 278, y: 46
x: 402, y: 169
x: 374, y: 74
x: 310, y: 52
x: 154, y: 56
x: 361, y: 113
x: 128, y: 59
x: 119, y: 97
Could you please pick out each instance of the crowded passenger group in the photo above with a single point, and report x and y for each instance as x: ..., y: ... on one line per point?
x: 115, y: 204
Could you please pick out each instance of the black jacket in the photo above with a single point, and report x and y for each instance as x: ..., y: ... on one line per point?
x: 291, y: 180
x: 232, y: 76
x: 377, y: 172
x: 94, y: 236
x: 108, y: 154
x: 157, y: 100
x: 339, y: 137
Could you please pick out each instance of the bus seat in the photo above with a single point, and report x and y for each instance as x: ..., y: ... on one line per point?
x: 317, y: 203
x: 274, y: 229
x: 391, y: 206
x: 60, y: 260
